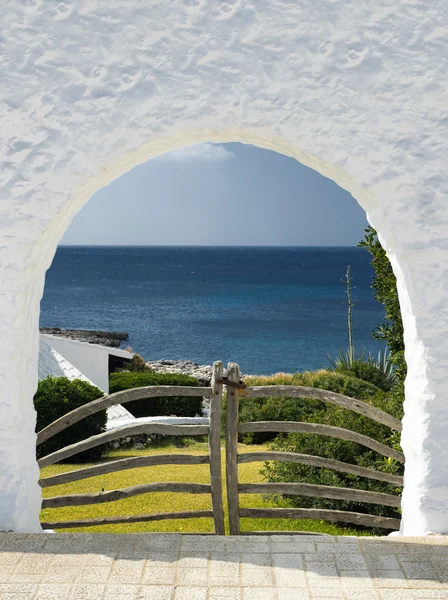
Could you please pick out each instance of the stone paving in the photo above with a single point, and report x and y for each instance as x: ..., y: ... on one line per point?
x: 176, y: 567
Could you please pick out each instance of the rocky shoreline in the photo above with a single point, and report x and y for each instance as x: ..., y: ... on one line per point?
x: 111, y: 339
x: 203, y: 373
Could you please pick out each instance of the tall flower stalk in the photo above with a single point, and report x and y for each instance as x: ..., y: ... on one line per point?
x: 351, y: 347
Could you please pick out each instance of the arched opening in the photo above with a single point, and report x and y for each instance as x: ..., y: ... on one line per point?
x: 42, y: 252
x: 346, y: 90
x: 340, y: 275
x: 45, y: 250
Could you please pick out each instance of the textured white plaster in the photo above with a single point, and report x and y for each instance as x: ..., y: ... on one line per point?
x: 355, y: 89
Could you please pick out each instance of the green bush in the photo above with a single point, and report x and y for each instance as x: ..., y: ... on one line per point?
x: 180, y: 406
x: 55, y: 397
x: 348, y: 452
x: 384, y: 287
x: 368, y: 372
x: 306, y: 410
x: 300, y: 409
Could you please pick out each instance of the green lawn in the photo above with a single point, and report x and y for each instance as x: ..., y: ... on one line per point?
x: 168, y: 502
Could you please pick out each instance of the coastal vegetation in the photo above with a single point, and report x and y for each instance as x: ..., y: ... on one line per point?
x: 312, y: 411
x: 55, y: 397
x: 179, y: 406
x: 384, y: 285
x: 390, y: 331
x: 377, y: 370
x: 301, y: 409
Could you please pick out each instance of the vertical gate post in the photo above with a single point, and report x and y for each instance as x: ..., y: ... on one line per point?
x: 214, y: 445
x: 233, y: 376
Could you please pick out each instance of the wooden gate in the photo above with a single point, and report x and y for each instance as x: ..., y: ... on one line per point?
x: 235, y: 388
x: 212, y: 430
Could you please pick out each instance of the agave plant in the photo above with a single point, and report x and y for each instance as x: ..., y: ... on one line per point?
x: 384, y: 364
x: 378, y: 370
x: 344, y: 360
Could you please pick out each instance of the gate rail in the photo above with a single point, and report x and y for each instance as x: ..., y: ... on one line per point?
x: 233, y: 459
x: 213, y: 430
x: 235, y: 389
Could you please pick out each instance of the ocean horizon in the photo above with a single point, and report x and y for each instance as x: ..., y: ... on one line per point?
x: 269, y: 308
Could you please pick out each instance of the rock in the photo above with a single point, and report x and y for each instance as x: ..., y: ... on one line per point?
x: 141, y: 438
x: 127, y: 440
x: 138, y: 446
x: 116, y: 445
x: 111, y: 339
x: 203, y: 373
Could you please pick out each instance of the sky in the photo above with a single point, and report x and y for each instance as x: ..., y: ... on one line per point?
x: 219, y: 195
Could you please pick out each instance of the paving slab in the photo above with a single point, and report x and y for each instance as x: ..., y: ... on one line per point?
x: 76, y: 566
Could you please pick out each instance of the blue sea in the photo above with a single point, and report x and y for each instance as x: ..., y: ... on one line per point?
x: 269, y: 309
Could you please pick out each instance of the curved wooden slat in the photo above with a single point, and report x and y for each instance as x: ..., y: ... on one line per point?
x: 299, y: 391
x: 120, y: 432
x: 136, y: 490
x: 284, y: 532
x: 320, y: 491
x: 318, y: 461
x: 122, y: 397
x: 193, y: 514
x: 123, y: 465
x: 335, y: 516
x: 318, y: 429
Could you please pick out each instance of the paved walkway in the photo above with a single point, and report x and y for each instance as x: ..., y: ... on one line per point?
x: 175, y: 567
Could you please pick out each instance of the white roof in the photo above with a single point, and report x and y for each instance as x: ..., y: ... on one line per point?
x: 121, y: 422
x: 117, y: 414
x: 52, y: 364
x: 106, y: 349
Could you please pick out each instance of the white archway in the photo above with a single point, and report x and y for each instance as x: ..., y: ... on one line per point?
x: 92, y: 91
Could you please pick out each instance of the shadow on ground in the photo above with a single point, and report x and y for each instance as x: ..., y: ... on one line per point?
x: 195, y: 567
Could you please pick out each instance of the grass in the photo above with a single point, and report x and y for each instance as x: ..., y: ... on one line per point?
x: 167, y: 502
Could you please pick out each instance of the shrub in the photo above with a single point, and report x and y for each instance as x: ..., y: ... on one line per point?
x: 371, y: 373
x: 384, y: 287
x: 339, y: 450
x: 181, y: 406
x: 302, y: 409
x: 379, y: 371
x: 55, y: 397
x: 137, y: 363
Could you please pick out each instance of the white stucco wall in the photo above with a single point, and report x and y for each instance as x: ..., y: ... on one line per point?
x: 356, y: 90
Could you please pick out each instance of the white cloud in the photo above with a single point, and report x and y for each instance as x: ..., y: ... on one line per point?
x: 205, y: 152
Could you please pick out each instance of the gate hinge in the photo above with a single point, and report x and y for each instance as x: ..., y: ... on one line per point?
x: 239, y: 386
